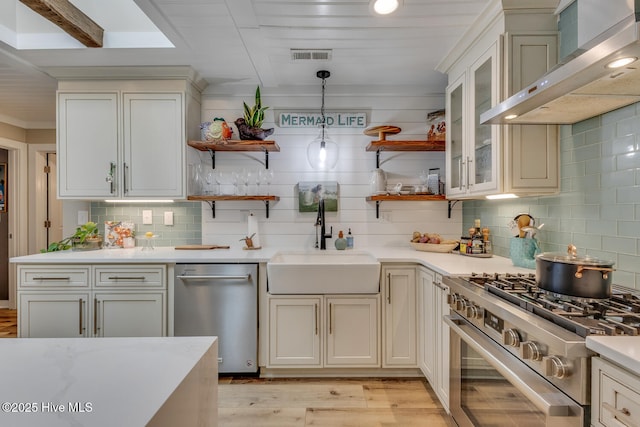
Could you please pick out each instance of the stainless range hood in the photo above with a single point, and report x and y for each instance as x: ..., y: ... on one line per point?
x: 582, y: 87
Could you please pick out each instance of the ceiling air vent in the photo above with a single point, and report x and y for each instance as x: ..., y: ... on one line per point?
x: 311, y: 54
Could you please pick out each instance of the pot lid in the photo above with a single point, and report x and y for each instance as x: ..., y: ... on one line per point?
x: 574, y: 259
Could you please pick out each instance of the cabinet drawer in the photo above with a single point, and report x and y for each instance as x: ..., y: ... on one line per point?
x: 152, y: 276
x: 618, y: 400
x: 53, y: 276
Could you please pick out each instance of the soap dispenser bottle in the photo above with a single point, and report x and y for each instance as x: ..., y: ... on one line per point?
x: 349, y: 240
x: 341, y: 242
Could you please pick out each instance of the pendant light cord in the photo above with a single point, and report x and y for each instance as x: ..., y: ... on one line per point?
x: 324, y: 119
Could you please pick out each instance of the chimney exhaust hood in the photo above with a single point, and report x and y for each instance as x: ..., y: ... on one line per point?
x: 582, y: 87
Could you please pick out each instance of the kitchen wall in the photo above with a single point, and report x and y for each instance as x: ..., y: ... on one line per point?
x: 598, y: 207
x: 286, y: 226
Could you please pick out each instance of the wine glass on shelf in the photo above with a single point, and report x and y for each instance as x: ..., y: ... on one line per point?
x: 268, y: 177
x: 246, y: 179
x: 259, y: 178
x: 210, y: 179
x: 235, y: 175
x: 219, y: 176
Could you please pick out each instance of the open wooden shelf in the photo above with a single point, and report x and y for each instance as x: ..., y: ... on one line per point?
x: 212, y: 199
x: 207, y: 198
x: 386, y: 145
x: 405, y: 197
x: 406, y: 145
x: 235, y: 145
x: 379, y: 198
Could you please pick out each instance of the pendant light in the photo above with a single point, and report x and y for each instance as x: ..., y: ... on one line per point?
x: 322, y: 152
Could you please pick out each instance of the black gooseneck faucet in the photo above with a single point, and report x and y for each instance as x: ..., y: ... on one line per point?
x: 321, y: 222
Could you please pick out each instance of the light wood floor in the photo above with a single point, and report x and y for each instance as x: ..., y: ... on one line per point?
x: 331, y: 402
x: 8, y: 323
x: 326, y: 402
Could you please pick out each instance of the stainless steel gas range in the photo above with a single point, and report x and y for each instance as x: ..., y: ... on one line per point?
x: 518, y: 354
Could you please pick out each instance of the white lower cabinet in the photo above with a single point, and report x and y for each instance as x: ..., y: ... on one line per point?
x: 352, y: 335
x: 323, y: 331
x: 58, y: 301
x: 294, y: 331
x: 128, y: 314
x: 615, y: 395
x: 399, y: 313
x: 433, y: 333
x: 53, y: 315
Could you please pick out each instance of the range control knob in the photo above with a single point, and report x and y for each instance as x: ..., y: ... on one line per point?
x: 461, y: 304
x: 452, y: 299
x: 530, y: 350
x: 511, y: 338
x: 474, y: 312
x: 554, y: 367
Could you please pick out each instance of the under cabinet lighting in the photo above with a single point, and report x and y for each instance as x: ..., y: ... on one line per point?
x: 138, y: 201
x: 621, y: 62
x: 510, y: 117
x: 502, y: 196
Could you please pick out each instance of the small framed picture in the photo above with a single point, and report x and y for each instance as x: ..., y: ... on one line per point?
x: 3, y: 187
x: 310, y: 193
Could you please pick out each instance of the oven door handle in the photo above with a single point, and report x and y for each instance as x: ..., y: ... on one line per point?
x: 539, y: 392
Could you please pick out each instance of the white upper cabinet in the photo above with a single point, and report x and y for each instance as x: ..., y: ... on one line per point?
x: 503, y: 52
x: 87, y: 138
x: 124, y: 139
x: 153, y: 145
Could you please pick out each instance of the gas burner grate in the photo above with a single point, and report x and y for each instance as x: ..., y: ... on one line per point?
x: 618, y: 315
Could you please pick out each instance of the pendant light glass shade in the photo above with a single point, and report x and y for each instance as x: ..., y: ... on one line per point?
x: 322, y: 152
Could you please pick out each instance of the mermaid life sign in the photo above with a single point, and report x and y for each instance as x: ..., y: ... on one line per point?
x: 313, y: 120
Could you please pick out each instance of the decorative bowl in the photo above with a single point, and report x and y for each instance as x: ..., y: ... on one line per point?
x: 444, y: 247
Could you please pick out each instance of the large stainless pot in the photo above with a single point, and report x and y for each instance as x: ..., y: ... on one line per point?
x: 573, y: 275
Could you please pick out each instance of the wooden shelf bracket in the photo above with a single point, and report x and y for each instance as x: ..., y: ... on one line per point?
x: 450, y: 205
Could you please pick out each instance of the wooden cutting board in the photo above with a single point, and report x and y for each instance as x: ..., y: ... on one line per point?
x: 200, y: 247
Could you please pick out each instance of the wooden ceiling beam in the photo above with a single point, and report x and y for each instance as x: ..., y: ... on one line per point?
x: 71, y: 19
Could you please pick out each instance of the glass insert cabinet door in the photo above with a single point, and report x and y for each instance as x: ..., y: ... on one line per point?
x: 483, y: 149
x: 455, y: 121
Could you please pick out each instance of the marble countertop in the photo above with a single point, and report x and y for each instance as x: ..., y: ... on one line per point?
x: 447, y: 264
x: 622, y: 350
x: 94, y: 381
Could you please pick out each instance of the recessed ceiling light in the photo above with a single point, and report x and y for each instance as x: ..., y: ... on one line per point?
x: 384, y: 7
x: 622, y: 62
x: 510, y: 117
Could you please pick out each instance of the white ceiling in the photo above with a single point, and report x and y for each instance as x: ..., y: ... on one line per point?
x: 248, y: 42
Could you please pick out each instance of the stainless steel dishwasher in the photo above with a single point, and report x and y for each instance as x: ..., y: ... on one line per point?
x: 220, y: 300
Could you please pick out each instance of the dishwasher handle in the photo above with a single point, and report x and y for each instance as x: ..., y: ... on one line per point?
x: 214, y: 277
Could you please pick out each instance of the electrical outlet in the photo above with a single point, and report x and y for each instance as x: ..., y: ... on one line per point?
x: 385, y: 216
x: 83, y: 217
x: 168, y: 218
x: 147, y: 217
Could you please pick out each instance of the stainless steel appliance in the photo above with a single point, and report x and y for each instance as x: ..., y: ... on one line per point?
x: 518, y: 353
x: 220, y: 300
x: 586, y: 83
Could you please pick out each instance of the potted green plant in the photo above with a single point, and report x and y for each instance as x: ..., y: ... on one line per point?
x: 250, y: 126
x: 87, y: 237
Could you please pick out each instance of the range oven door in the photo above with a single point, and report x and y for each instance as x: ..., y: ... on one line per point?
x: 491, y: 387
